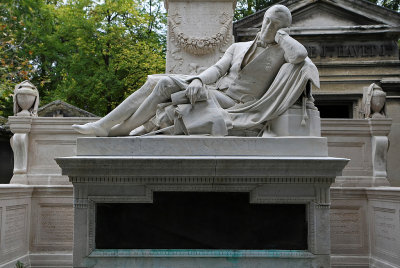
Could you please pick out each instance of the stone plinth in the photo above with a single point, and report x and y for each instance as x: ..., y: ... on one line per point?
x: 130, y: 170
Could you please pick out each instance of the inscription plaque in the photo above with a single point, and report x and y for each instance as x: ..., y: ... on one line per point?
x: 56, y: 224
x: 201, y: 220
x: 385, y: 229
x: 15, y: 229
x: 351, y: 50
x: 346, y: 227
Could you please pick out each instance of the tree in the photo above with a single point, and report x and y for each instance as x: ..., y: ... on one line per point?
x: 15, y: 66
x: 89, y: 53
x: 111, y: 50
x: 247, y: 7
x: 390, y: 4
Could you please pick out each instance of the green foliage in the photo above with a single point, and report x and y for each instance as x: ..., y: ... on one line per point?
x: 89, y: 53
x: 19, y: 265
x: 248, y: 7
x: 14, y: 65
x: 390, y: 4
x: 111, y: 49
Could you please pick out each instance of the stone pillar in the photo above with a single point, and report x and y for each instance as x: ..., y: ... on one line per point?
x: 199, y: 32
x: 379, y: 129
x: 21, y: 127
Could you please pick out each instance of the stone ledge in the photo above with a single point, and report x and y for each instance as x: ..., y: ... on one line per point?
x: 201, y: 166
x: 202, y: 146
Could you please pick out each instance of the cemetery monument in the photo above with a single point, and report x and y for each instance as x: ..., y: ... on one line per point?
x: 258, y: 197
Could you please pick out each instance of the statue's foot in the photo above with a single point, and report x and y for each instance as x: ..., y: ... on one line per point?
x: 139, y: 131
x: 91, y: 129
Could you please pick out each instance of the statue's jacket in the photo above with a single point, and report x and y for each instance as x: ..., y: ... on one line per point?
x: 250, y: 82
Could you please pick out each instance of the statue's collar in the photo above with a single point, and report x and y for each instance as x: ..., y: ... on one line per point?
x: 262, y: 43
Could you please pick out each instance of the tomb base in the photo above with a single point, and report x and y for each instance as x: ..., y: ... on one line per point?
x: 185, y: 201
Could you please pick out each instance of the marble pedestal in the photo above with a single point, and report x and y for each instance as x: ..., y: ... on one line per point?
x: 282, y: 170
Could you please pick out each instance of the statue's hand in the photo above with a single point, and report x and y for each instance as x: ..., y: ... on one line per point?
x: 279, y: 35
x: 193, y: 89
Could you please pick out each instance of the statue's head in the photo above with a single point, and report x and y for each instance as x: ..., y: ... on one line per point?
x: 275, y: 18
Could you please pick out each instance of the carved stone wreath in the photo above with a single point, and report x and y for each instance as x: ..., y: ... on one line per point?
x: 199, y: 45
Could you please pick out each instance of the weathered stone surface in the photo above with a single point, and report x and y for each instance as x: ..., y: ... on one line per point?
x: 356, y: 140
x: 365, y: 226
x: 202, y: 146
x: 36, y: 225
x: 37, y: 141
x: 59, y: 108
x: 384, y: 209
x: 269, y: 178
x: 194, y: 46
x: 14, y: 225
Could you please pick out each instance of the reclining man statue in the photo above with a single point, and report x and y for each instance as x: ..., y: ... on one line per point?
x: 252, y: 83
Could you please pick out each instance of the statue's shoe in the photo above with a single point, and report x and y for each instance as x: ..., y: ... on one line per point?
x: 139, y: 131
x: 91, y: 129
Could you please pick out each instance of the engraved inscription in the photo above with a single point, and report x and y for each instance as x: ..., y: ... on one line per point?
x: 351, y: 50
x: 56, y: 223
x: 15, y: 229
x: 385, y: 229
x: 346, y: 227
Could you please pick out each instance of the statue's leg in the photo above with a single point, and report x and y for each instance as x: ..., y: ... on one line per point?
x: 222, y: 99
x: 121, y: 112
x: 161, y: 93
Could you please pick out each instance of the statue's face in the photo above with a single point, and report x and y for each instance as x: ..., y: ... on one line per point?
x: 271, y: 24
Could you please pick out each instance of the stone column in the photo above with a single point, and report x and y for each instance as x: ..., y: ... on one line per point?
x: 380, y: 146
x: 20, y: 126
x: 199, y: 32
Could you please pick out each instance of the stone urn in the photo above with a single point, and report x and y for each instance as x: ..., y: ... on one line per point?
x: 378, y: 102
x: 26, y: 99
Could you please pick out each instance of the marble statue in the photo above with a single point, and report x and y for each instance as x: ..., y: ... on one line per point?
x: 26, y: 99
x: 374, y: 100
x: 252, y: 83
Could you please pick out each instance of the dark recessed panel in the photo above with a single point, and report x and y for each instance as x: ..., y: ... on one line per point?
x: 201, y: 220
x: 335, y: 110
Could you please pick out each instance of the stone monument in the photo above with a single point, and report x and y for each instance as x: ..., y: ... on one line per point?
x: 252, y: 84
x: 202, y: 199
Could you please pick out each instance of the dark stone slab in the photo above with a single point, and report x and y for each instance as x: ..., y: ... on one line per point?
x: 201, y: 220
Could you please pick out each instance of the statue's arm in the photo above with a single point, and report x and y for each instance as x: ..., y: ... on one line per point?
x: 219, y: 69
x: 294, y: 51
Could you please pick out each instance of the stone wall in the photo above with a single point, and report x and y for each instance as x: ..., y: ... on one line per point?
x: 37, y: 214
x: 44, y: 207
x: 365, y: 227
x: 384, y: 220
x: 15, y: 213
